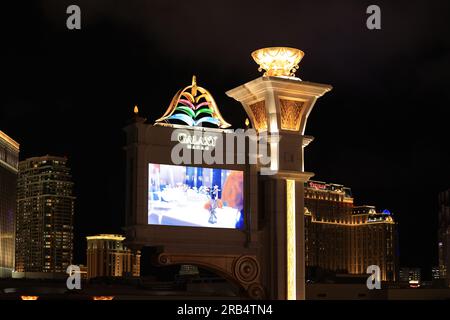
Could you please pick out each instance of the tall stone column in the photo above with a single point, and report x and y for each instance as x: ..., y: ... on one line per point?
x: 278, y: 104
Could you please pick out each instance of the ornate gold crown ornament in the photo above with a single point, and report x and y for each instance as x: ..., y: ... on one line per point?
x: 278, y: 61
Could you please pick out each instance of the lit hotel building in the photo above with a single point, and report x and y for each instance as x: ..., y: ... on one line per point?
x: 444, y: 235
x: 344, y: 238
x: 45, y: 209
x: 9, y: 158
x: 108, y: 257
x: 410, y: 275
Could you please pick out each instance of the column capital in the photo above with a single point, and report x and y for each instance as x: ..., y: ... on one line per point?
x: 278, y: 104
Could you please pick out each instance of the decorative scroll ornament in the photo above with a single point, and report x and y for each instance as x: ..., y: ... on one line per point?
x: 256, y: 291
x: 243, y: 270
x: 278, y: 61
x: 246, y: 269
x: 193, y: 106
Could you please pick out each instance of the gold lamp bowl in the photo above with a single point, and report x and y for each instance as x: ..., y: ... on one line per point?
x: 278, y: 61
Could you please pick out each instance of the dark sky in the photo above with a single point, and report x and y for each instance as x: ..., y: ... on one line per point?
x: 383, y: 130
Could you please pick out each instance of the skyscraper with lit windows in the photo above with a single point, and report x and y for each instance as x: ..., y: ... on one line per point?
x: 45, y: 209
x: 9, y: 158
x: 444, y: 235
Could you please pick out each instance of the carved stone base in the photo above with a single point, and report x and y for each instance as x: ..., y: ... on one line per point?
x: 242, y: 270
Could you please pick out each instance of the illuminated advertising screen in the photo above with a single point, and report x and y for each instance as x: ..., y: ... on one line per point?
x: 195, y: 197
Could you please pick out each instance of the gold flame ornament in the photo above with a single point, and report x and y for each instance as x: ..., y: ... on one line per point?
x: 278, y: 61
x: 193, y: 106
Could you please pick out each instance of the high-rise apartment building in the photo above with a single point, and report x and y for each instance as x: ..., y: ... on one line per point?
x: 435, y: 273
x: 9, y: 159
x: 108, y: 257
x: 44, y: 225
x: 341, y: 237
x: 444, y: 235
x: 410, y: 275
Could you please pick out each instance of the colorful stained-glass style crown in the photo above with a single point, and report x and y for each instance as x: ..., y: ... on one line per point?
x: 193, y: 106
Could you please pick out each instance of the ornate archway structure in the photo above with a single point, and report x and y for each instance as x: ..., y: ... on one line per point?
x: 243, y: 270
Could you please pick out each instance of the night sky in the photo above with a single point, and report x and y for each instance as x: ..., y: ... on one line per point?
x: 383, y: 130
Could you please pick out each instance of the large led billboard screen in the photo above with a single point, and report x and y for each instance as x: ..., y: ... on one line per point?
x: 195, y: 197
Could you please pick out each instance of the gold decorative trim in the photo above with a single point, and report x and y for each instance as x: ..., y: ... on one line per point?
x: 291, y: 111
x: 259, y: 115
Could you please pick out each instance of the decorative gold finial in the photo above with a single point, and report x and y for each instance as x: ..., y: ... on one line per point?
x: 247, y: 122
x: 136, y: 110
x: 278, y: 61
x: 194, y: 86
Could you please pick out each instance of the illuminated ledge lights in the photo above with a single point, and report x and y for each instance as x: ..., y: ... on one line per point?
x: 369, y: 222
x: 8, y: 140
x: 102, y: 298
x: 29, y: 298
x: 291, y: 241
x: 115, y: 237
